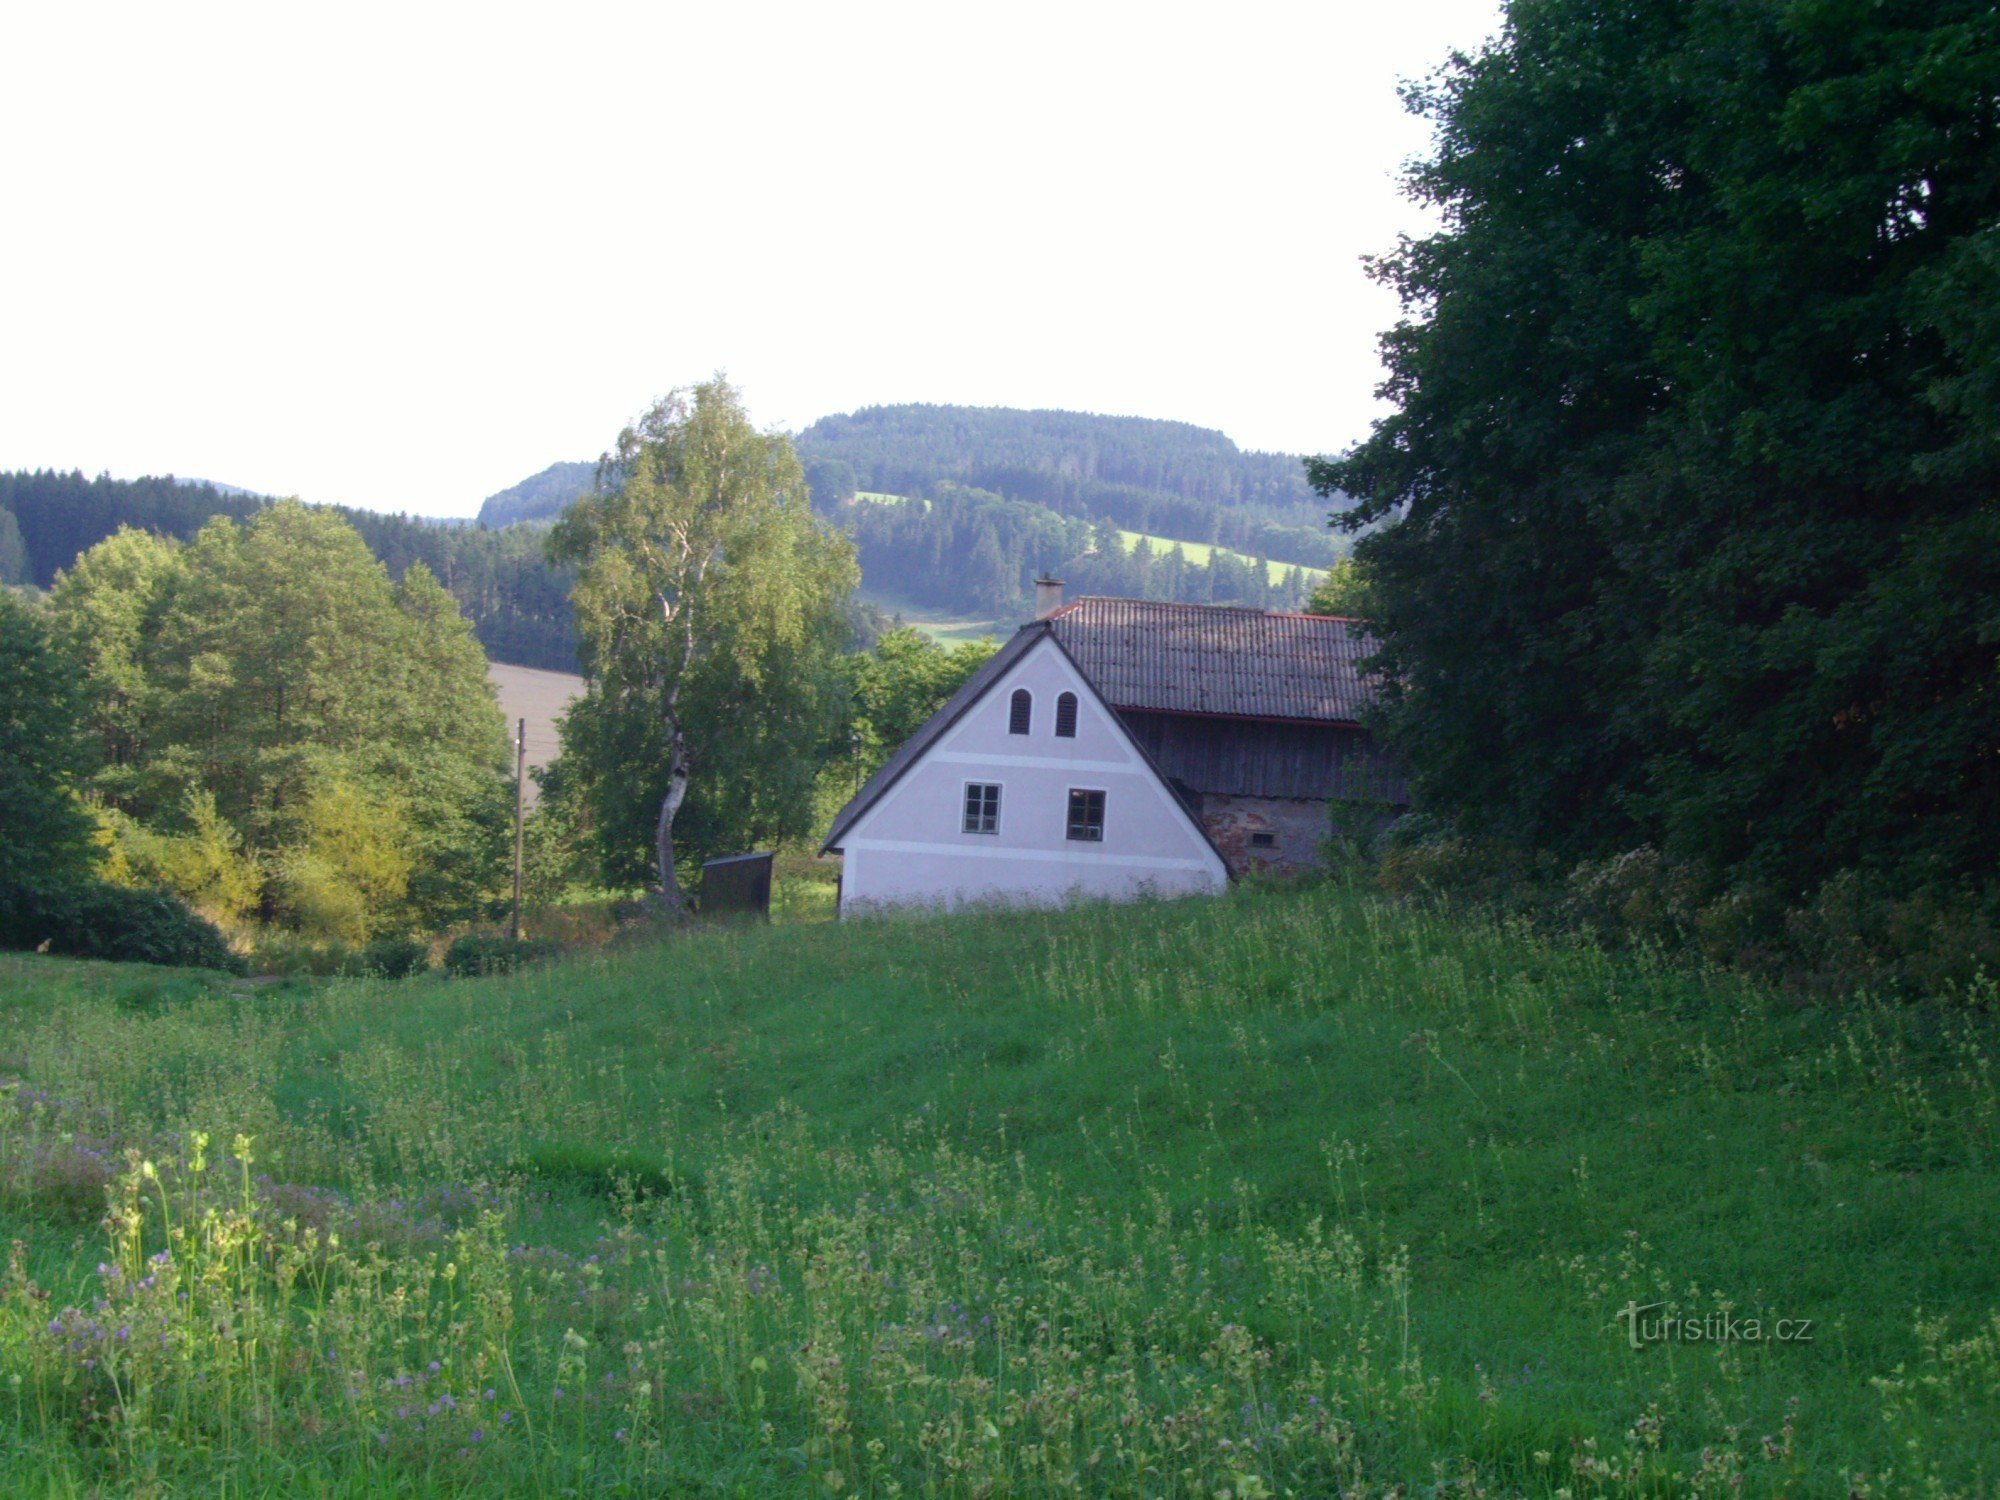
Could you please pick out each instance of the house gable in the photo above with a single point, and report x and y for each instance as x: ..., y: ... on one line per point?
x: 905, y: 839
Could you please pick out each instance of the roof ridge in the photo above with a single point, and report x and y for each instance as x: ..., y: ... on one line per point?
x: 1238, y: 609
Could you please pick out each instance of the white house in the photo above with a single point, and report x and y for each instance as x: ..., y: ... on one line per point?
x: 1117, y: 747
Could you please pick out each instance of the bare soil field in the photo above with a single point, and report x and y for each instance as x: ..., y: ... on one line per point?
x: 537, y: 696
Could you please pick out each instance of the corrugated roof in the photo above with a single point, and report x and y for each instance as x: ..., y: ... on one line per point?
x: 1211, y: 659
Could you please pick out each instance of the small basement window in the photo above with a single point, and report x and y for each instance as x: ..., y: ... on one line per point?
x: 1086, y: 816
x: 1020, y: 711
x: 1263, y: 841
x: 1066, y: 717
x: 982, y: 807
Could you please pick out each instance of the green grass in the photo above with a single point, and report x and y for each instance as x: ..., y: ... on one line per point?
x: 945, y: 626
x: 1286, y: 1192
x: 1201, y: 553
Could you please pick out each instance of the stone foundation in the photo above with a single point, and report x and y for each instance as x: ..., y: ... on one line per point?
x: 1280, y: 834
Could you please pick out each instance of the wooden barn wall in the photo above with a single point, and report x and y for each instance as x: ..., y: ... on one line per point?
x: 1245, y: 758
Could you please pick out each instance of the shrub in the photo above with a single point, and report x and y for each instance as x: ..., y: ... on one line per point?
x: 88, y: 919
x: 1638, y: 896
x: 392, y: 958
x: 480, y: 953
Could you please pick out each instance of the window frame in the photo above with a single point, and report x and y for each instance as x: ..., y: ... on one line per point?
x: 1070, y: 822
x: 1021, y: 705
x: 998, y: 788
x: 1067, y: 700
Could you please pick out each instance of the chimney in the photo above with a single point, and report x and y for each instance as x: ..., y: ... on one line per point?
x: 1048, y: 597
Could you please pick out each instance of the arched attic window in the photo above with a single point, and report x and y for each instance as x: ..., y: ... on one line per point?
x: 1020, y: 711
x: 1066, y: 717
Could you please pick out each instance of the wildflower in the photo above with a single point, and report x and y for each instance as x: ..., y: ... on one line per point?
x: 479, y: 1434
x: 489, y: 1393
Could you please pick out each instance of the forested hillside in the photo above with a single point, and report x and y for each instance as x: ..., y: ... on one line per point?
x: 540, y: 497
x: 517, y: 602
x: 1003, y: 494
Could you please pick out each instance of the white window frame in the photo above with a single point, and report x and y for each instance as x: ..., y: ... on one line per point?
x: 1104, y: 828
x: 999, y: 807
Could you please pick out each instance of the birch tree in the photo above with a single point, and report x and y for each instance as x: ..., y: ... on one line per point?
x: 709, y: 604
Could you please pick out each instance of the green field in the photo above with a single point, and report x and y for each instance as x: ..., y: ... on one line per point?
x: 945, y: 626
x: 1284, y: 1193
x: 1202, y: 552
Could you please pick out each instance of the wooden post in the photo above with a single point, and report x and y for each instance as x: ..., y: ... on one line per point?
x: 520, y: 812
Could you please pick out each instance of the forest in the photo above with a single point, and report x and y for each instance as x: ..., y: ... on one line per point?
x: 964, y: 548
x: 517, y: 603
x: 1005, y: 494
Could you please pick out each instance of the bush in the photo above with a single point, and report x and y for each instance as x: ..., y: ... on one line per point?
x: 87, y: 919
x: 479, y: 953
x: 392, y: 958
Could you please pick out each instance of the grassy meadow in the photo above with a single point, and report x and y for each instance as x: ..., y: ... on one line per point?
x: 946, y: 627
x: 1292, y: 1192
x: 1202, y: 553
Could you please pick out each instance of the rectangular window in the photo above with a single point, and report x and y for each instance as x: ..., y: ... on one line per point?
x: 982, y: 807
x: 1086, y: 816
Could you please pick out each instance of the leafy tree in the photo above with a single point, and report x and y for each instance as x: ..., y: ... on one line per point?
x: 1689, y: 499
x: 15, y: 565
x: 709, y: 602
x: 901, y: 683
x: 45, y: 834
x: 108, y: 604
x: 271, y: 674
x: 1343, y: 591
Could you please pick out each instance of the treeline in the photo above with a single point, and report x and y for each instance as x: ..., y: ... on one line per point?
x: 1165, y: 478
x: 516, y: 601
x: 971, y: 549
x: 1689, y: 574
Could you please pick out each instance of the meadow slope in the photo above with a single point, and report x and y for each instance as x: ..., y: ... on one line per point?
x: 1290, y: 1192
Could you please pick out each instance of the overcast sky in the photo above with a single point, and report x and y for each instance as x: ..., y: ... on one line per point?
x: 404, y: 256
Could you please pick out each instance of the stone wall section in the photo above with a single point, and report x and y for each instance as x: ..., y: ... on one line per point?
x: 1294, y: 827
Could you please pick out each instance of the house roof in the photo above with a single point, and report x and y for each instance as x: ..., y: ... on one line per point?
x: 1212, y: 659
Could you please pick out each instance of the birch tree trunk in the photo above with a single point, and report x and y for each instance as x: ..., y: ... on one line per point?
x: 672, y: 902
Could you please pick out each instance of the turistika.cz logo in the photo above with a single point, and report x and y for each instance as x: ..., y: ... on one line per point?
x: 1710, y: 1328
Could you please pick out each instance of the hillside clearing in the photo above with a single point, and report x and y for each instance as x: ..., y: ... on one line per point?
x: 945, y: 626
x: 1298, y: 1185
x: 1201, y: 553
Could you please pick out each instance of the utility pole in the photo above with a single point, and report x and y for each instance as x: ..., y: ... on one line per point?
x: 520, y: 813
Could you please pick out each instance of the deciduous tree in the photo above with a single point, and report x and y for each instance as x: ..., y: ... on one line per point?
x: 1691, y: 496
x: 710, y: 603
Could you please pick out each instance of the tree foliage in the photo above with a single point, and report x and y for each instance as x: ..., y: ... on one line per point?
x: 710, y: 605
x: 264, y: 694
x: 502, y: 580
x: 1689, y: 496
x: 45, y: 834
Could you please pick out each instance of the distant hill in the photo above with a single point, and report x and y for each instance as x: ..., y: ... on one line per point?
x: 1011, y: 493
x: 1063, y: 459
x: 539, y: 497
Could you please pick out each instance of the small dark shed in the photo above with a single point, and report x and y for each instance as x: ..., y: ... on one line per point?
x: 736, y: 885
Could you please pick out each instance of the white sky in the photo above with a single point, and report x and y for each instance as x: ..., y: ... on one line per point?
x: 403, y: 256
